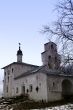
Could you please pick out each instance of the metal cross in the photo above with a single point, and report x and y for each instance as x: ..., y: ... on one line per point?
x: 19, y: 44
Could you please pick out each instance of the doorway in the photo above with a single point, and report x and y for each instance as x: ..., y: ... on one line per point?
x: 66, y: 88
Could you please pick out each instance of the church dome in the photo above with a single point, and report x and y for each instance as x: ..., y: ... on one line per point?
x: 19, y: 52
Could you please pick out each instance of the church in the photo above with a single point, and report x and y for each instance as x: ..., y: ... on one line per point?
x: 45, y: 82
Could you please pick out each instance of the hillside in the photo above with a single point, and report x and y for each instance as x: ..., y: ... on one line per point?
x: 23, y: 102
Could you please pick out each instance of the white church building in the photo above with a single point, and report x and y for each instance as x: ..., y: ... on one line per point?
x: 44, y: 82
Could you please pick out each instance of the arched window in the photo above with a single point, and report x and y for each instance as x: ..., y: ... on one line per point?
x: 12, y: 70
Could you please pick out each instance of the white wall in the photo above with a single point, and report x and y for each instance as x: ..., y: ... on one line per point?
x: 17, y: 70
x: 8, y: 82
x: 38, y: 79
x: 55, y: 87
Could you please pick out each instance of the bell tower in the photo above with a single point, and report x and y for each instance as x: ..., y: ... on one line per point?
x: 19, y: 54
x: 50, y: 56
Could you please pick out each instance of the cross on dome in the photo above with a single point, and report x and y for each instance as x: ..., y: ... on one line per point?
x: 19, y: 45
x: 19, y: 52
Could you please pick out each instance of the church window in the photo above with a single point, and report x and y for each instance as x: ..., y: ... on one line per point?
x: 49, y: 61
x: 12, y: 70
x: 7, y: 89
x: 23, y: 89
x: 5, y: 73
x: 49, y: 57
x: 8, y: 78
x: 30, y: 87
x: 16, y: 89
x: 53, y: 84
x: 51, y: 46
x: 27, y: 90
x: 55, y: 59
x: 37, y: 89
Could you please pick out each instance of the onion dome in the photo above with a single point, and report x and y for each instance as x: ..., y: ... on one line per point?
x: 19, y: 52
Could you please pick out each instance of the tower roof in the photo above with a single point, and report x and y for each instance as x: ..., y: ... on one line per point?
x: 19, y: 52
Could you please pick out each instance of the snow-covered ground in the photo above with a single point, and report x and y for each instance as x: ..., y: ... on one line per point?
x: 63, y: 107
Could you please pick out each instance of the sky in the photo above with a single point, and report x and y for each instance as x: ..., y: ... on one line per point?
x: 22, y: 21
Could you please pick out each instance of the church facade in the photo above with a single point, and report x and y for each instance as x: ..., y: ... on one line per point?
x: 44, y: 82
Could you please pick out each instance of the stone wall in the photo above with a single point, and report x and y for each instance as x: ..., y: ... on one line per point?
x: 50, y: 56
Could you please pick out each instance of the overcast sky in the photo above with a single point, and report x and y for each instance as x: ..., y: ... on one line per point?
x: 21, y: 21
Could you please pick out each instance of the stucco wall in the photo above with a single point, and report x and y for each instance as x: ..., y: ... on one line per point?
x: 8, y: 81
x: 37, y: 80
x: 11, y: 72
x: 50, y: 87
x: 55, y: 87
x: 19, y: 69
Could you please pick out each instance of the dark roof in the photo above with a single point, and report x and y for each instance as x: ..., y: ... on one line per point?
x: 19, y: 52
x: 20, y: 63
x: 50, y: 43
x: 43, y: 52
x: 58, y: 73
x: 41, y: 69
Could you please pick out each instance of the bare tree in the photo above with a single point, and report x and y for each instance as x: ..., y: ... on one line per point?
x: 62, y: 29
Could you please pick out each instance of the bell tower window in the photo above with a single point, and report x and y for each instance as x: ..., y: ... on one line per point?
x: 51, y: 46
x: 55, y: 59
x: 49, y: 61
x: 49, y: 57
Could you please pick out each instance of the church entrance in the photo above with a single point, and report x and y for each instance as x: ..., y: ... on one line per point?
x: 66, y: 88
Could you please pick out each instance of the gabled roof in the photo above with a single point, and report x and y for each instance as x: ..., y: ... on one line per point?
x: 29, y: 72
x: 19, y: 63
x: 41, y: 69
